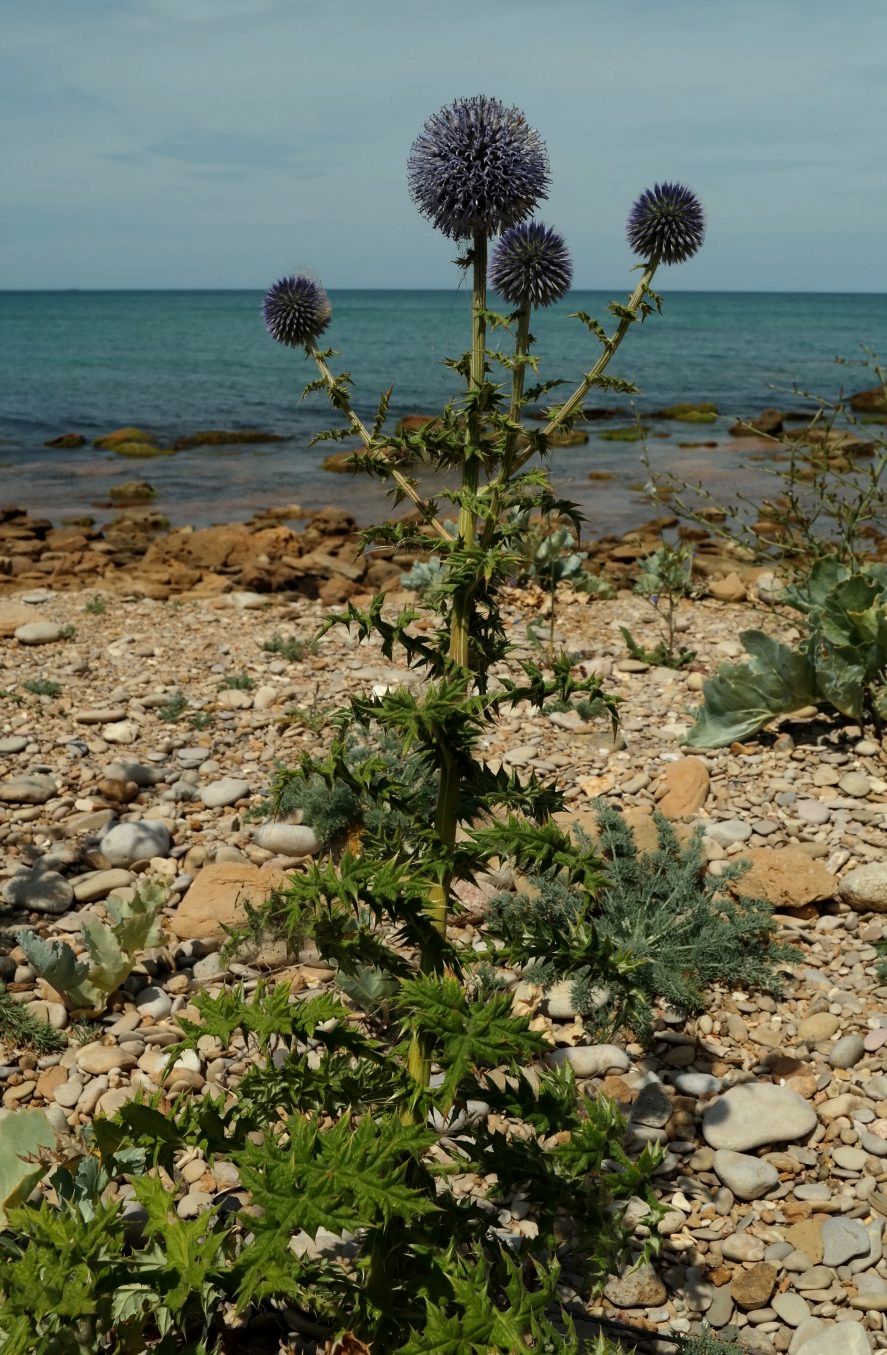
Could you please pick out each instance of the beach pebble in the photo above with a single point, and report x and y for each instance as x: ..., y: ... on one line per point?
x: 39, y: 633
x: 121, y: 731
x: 287, y: 839
x: 793, y: 1309
x: 747, y: 1177
x: 819, y: 1027
x: 697, y: 1084
x: 14, y: 743
x: 865, y: 887
x: 225, y: 792
x: 842, y: 1239
x: 137, y: 841
x: 40, y: 891
x: 855, y: 784
x: 640, y: 1288
x: 28, y: 790
x: 728, y: 831
x: 846, y: 1052
x: 98, y: 1058
x: 100, y: 884
x: 839, y: 1338
x: 812, y: 811
x: 154, y: 1002
x: 754, y: 1114
x: 590, y: 1060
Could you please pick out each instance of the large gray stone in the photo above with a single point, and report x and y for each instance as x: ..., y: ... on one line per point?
x: 28, y: 790
x: 137, y: 841
x: 748, y: 1177
x: 590, y: 1060
x: 754, y: 1114
x: 287, y: 839
x: 865, y: 887
x: 225, y: 792
x: 40, y: 891
x: 842, y: 1239
x: 39, y: 633
x: 840, y: 1338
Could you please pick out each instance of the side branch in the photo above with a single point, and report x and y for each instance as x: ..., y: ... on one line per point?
x: 366, y: 438
x: 585, y: 385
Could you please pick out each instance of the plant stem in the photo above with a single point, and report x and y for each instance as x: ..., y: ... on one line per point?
x: 363, y: 433
x: 585, y: 385
x: 462, y: 601
x: 521, y: 349
x: 447, y: 811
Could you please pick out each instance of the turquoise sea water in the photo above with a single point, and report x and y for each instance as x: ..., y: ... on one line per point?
x: 173, y: 362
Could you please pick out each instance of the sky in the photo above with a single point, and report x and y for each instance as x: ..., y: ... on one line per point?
x: 221, y: 143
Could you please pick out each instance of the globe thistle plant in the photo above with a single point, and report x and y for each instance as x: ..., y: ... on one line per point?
x: 666, y: 223
x: 477, y: 166
x: 297, y: 310
x: 531, y: 265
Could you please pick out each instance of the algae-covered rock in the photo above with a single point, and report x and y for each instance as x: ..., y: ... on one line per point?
x: 141, y: 451
x: 687, y: 412
x: 224, y: 437
x: 134, y: 491
x: 66, y: 441
x: 567, y: 437
x: 109, y: 442
x: 632, y: 434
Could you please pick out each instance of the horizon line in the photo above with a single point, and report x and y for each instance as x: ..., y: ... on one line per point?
x: 685, y: 291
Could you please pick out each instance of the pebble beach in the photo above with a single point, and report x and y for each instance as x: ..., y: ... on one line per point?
x: 166, y: 717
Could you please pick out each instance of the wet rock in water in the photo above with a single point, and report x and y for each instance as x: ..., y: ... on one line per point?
x: 865, y: 888
x: 872, y: 401
x: 133, y: 491
x: 39, y: 633
x: 66, y: 441
x: 287, y: 839
x: 109, y: 442
x: 769, y: 421
x: 28, y: 790
x: 39, y: 891
x: 687, y: 412
x: 748, y: 1177
x: 225, y: 437
x: 686, y: 788
x: 217, y: 900
x: 754, y: 1114
x: 138, y: 841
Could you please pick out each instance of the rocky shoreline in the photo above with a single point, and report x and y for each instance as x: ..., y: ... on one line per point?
x: 139, y: 738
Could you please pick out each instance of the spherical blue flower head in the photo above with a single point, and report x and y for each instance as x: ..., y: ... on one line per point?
x: 297, y: 310
x: 477, y: 166
x: 531, y: 265
x: 666, y: 223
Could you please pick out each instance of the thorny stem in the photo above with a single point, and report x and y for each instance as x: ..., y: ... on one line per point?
x: 585, y: 385
x: 521, y: 349
x: 363, y: 433
x: 447, y: 811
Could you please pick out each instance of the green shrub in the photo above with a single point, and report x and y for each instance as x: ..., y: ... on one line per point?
x: 173, y: 709
x: 286, y: 646
x: 42, y: 687
x: 237, y: 682
x: 841, y: 663
x: 665, y: 577
x: 674, y: 929
x: 21, y: 1029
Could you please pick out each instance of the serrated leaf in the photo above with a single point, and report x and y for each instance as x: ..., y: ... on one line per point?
x: 741, y: 698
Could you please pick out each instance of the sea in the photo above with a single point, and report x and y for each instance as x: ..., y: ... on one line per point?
x: 173, y: 362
